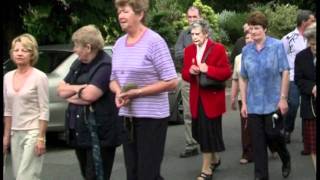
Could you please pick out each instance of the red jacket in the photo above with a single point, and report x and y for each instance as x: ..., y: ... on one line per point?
x: 213, y: 101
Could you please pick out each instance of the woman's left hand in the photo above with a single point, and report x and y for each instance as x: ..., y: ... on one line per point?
x: 283, y: 106
x: 40, y: 148
x: 203, y: 67
x: 130, y: 94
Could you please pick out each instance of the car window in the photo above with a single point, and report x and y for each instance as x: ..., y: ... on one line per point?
x: 49, y: 60
x: 108, y: 51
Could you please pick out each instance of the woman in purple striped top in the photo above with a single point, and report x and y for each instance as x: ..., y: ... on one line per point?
x: 141, y: 59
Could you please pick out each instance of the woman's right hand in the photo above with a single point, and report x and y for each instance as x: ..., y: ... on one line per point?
x: 233, y: 103
x: 120, y: 101
x: 314, y: 91
x: 195, y: 70
x: 6, y: 144
x: 244, y: 112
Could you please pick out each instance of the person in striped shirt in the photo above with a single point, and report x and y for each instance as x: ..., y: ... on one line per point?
x: 142, y: 74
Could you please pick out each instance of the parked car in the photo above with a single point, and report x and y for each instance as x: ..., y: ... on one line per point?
x: 55, y: 61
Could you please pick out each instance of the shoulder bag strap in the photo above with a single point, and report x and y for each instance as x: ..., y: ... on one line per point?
x: 207, y: 54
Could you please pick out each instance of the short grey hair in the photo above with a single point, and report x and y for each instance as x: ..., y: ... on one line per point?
x: 203, y: 24
x: 311, y: 31
x: 89, y: 34
x: 303, y: 15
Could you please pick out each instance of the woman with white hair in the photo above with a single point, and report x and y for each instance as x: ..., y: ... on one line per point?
x: 207, y: 104
x: 305, y: 78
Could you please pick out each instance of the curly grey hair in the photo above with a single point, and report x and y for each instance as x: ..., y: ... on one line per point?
x: 311, y: 31
x: 203, y: 24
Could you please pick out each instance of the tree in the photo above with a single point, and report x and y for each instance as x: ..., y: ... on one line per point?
x: 208, y: 14
x: 56, y: 21
x: 11, y: 23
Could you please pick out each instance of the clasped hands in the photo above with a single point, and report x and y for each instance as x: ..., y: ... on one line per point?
x: 196, y: 69
x: 124, y: 98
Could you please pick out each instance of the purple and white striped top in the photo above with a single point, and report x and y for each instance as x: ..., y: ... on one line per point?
x: 143, y: 63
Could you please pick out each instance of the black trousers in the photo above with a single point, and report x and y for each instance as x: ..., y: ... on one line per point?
x: 85, y: 159
x: 264, y: 133
x: 144, y: 152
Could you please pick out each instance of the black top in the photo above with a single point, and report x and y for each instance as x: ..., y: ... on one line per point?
x: 305, y: 78
x: 96, y: 73
x: 240, y: 43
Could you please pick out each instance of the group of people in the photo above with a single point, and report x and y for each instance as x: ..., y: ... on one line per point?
x: 261, y: 72
x: 269, y: 95
x: 126, y: 101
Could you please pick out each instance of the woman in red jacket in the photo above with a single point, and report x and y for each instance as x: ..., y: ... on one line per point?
x: 206, y: 104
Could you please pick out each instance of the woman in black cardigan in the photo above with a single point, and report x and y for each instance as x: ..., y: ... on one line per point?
x: 305, y: 78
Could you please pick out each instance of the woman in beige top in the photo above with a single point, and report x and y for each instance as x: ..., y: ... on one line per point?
x: 245, y: 133
x: 26, y: 109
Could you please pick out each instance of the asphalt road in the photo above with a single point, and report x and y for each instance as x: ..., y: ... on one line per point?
x: 61, y: 164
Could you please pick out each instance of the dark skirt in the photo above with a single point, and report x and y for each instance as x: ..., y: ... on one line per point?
x: 309, y: 135
x: 208, y: 132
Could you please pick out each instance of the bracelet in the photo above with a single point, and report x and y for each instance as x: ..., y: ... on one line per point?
x: 42, y: 139
x: 283, y: 97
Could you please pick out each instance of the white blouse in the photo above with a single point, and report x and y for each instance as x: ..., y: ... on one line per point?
x: 28, y: 105
x: 200, y: 51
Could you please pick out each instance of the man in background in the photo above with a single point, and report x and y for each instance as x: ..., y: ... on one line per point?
x: 293, y: 43
x: 184, y: 39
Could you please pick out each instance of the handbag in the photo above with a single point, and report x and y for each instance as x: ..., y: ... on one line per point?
x: 208, y: 82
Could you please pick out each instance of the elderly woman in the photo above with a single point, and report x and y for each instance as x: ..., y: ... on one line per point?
x: 142, y: 74
x: 264, y: 78
x: 86, y: 85
x: 26, y: 109
x: 305, y: 78
x: 207, y: 105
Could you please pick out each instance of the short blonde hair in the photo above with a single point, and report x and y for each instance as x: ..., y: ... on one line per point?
x: 89, y: 34
x: 138, y: 6
x: 28, y: 42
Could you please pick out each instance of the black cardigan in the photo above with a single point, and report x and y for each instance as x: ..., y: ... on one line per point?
x: 305, y: 79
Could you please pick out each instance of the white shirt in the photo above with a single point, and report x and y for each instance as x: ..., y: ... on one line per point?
x: 293, y: 43
x: 236, y: 70
x: 30, y: 103
x: 200, y: 51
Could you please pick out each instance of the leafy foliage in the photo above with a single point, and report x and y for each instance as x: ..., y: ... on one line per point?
x: 164, y: 18
x: 160, y: 24
x: 48, y: 22
x: 112, y: 29
x: 56, y: 21
x: 231, y: 24
x: 208, y: 14
x: 281, y: 18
